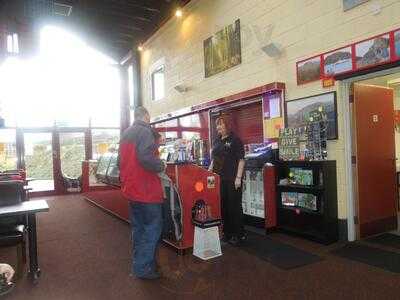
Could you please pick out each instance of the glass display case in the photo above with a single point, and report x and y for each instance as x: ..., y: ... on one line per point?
x: 107, y: 169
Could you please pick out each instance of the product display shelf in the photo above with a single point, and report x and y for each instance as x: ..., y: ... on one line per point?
x: 309, y: 210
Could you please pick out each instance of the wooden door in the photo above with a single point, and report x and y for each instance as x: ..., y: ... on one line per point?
x: 375, y: 159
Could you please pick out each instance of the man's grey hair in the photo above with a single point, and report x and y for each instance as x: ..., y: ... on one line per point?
x: 140, y: 113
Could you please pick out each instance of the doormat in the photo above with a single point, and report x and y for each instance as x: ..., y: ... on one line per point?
x: 389, y: 261
x: 386, y: 239
x: 281, y: 255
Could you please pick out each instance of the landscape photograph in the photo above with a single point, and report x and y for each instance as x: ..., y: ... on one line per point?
x: 297, y: 111
x: 397, y: 42
x: 309, y: 70
x: 373, y: 51
x: 337, y: 62
x: 223, y: 50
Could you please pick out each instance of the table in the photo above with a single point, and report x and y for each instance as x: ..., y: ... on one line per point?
x: 29, y: 208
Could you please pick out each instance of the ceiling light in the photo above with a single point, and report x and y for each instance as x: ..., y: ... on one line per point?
x: 179, y: 13
x: 140, y: 48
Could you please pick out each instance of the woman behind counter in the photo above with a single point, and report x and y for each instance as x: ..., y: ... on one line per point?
x: 228, y: 162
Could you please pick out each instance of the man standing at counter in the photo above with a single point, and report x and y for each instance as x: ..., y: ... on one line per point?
x: 139, y: 165
x: 228, y: 162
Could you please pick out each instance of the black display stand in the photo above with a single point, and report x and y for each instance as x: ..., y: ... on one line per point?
x: 319, y: 223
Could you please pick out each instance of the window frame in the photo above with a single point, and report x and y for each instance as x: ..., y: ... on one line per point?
x: 157, y: 67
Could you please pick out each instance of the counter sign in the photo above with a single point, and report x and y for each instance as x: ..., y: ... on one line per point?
x: 211, y: 182
x: 290, y: 143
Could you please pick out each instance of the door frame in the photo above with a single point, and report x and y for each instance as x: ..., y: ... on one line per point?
x: 55, y: 132
x: 344, y: 92
x: 20, y: 138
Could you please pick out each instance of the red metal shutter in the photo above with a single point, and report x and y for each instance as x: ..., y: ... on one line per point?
x: 247, y: 123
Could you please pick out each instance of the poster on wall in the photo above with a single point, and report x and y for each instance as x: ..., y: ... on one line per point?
x: 272, y: 115
x: 309, y: 70
x: 397, y: 42
x: 222, y: 51
x: 292, y: 143
x: 298, y: 111
x: 373, y: 52
x: 349, y: 4
x: 337, y: 62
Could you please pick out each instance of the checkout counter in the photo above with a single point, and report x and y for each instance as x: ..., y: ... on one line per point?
x: 187, y: 185
x: 187, y: 182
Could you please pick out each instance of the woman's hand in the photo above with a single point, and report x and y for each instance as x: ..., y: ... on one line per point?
x: 238, y: 182
x: 211, y: 166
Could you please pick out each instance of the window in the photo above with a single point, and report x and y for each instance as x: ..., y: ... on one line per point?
x: 190, y: 135
x: 104, y: 140
x: 190, y: 121
x: 72, y: 151
x: 8, y: 153
x: 12, y: 43
x: 131, y: 86
x: 158, y: 83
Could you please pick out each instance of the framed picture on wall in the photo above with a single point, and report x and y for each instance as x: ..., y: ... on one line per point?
x: 223, y: 50
x: 338, y: 61
x: 297, y: 111
x: 308, y: 70
x: 397, y: 43
x: 373, y: 52
x: 349, y: 4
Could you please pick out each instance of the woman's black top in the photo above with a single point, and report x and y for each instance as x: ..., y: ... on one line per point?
x: 226, y: 154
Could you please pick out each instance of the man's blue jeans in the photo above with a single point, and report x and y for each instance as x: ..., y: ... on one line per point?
x: 146, y: 224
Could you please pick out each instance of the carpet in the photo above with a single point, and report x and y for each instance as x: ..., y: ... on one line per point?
x: 387, y: 260
x: 386, y: 239
x: 281, y: 255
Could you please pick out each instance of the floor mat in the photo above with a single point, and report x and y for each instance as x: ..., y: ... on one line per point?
x: 387, y: 260
x: 279, y: 254
x: 386, y: 239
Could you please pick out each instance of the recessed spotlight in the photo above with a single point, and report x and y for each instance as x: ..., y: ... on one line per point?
x: 140, y: 48
x: 179, y: 13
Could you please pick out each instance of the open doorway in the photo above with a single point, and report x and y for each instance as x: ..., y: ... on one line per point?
x: 376, y: 153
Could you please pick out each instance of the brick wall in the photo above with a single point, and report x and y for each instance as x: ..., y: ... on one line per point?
x: 303, y: 28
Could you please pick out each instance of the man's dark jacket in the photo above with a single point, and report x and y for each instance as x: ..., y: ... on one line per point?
x: 139, y: 164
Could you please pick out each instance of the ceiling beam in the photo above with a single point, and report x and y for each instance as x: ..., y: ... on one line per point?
x: 135, y: 4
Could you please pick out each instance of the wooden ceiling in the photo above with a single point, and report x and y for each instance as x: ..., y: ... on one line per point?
x: 111, y: 26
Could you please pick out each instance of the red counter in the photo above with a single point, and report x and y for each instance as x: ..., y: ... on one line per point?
x: 193, y: 183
